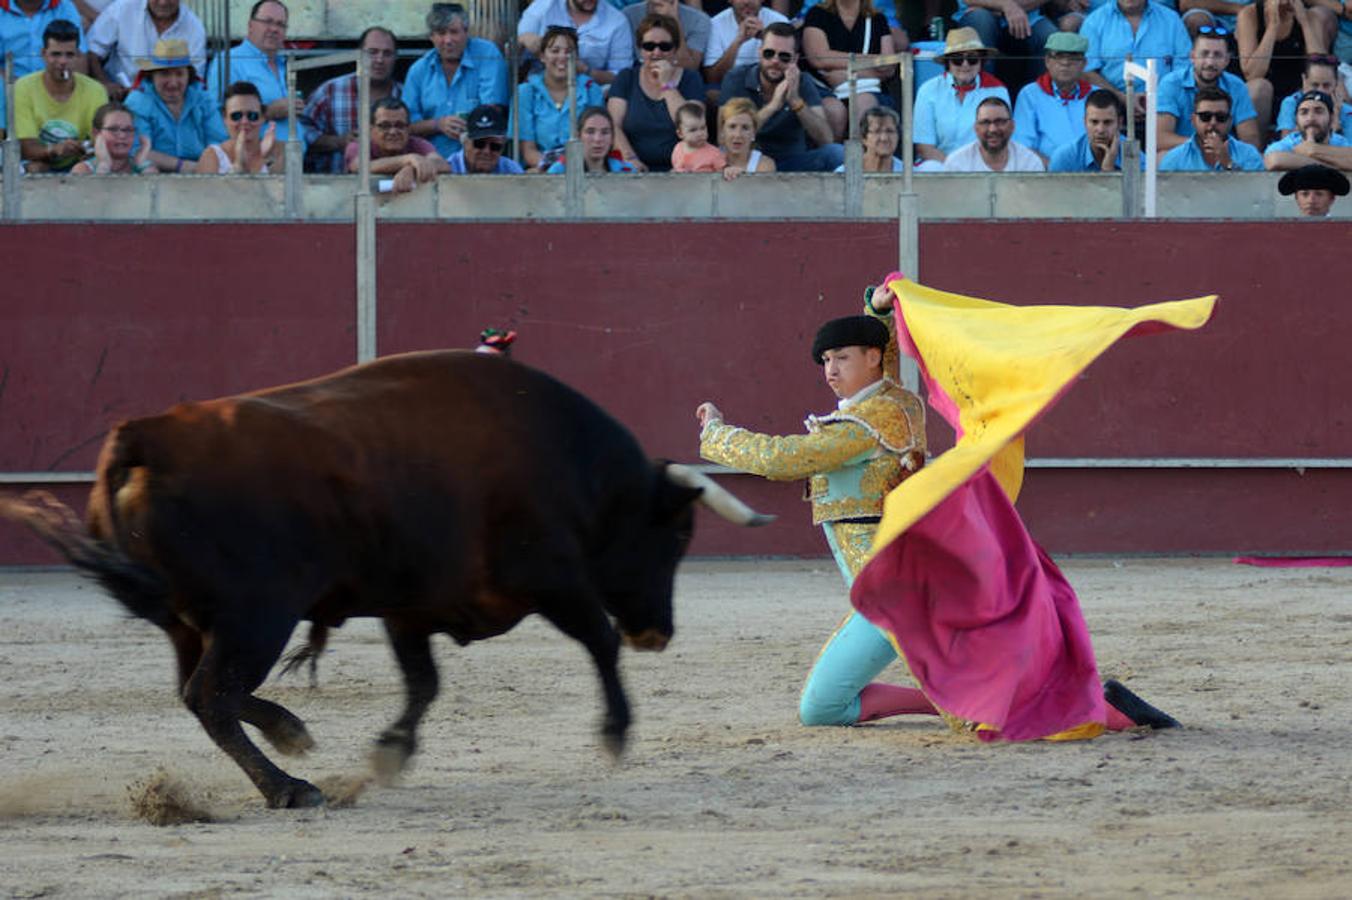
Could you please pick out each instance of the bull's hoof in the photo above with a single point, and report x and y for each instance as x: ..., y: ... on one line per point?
x: 389, y: 757
x: 290, y: 738
x: 297, y: 794
x: 1134, y: 708
x: 613, y: 740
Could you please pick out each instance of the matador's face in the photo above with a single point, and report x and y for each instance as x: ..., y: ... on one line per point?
x: 849, y: 370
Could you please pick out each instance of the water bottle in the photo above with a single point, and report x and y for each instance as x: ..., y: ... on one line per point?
x: 936, y: 28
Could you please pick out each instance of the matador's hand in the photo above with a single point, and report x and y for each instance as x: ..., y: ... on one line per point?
x: 706, y: 412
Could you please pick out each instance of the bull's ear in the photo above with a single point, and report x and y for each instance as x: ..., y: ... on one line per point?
x: 670, y: 498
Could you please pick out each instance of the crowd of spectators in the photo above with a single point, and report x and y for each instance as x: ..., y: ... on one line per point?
x: 735, y: 87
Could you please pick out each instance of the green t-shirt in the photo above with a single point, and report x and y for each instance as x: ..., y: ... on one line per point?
x: 35, y: 110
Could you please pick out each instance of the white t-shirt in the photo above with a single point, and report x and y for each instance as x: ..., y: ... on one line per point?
x: 124, y: 34
x: 967, y: 158
x: 723, y: 31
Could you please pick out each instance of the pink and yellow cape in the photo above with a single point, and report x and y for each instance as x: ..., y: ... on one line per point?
x: 988, y: 625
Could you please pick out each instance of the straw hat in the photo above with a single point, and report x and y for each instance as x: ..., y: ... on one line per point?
x: 169, y: 53
x: 963, y: 40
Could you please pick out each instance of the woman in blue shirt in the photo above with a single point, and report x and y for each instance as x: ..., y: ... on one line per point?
x: 543, y: 101
x: 171, y: 106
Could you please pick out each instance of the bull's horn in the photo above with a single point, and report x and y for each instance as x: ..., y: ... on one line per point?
x: 717, y: 498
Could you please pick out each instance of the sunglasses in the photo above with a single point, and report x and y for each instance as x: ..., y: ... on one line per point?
x: 252, y: 115
x: 1207, y: 115
x: 1214, y: 30
x: 966, y: 59
x: 664, y: 46
x: 489, y: 144
x: 782, y: 55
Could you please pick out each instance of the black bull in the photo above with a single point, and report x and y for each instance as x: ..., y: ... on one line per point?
x: 444, y: 492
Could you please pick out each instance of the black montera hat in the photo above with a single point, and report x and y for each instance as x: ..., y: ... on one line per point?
x: 1313, y: 178
x: 850, y: 331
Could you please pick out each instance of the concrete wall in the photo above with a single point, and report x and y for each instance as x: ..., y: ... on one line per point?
x: 662, y: 197
x: 115, y: 321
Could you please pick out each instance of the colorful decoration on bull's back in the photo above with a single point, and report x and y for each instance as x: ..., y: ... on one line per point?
x: 984, y: 620
x: 491, y: 340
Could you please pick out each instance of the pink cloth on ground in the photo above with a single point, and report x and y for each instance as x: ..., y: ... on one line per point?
x: 1293, y: 562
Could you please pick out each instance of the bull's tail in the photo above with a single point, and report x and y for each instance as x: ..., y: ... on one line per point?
x: 139, y: 588
x: 308, y: 652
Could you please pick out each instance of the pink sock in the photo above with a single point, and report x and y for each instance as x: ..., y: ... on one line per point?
x: 1116, y: 720
x: 878, y: 701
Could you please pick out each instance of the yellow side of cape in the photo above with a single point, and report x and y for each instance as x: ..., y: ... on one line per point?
x: 1002, y: 365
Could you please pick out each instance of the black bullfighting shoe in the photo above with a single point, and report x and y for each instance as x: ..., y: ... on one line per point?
x: 1134, y: 708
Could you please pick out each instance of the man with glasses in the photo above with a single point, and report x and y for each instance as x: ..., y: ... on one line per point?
x: 1210, y: 55
x: 54, y: 109
x: 788, y: 106
x: 258, y: 60
x: 458, y: 74
x: 331, y: 116
x: 1211, y: 148
x: 1313, y: 141
x: 1140, y: 28
x: 605, y: 41
x: 395, y: 151
x: 1049, y: 112
x: 1321, y: 74
x: 735, y: 38
x: 993, y: 150
x: 485, y: 139
x: 127, y: 32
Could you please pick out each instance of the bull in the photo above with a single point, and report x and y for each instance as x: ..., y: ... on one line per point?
x: 443, y: 492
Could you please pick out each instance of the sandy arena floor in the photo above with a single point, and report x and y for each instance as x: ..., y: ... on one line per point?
x: 722, y: 793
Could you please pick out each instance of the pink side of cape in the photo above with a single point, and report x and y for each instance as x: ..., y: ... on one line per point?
x: 988, y: 624
x: 990, y: 627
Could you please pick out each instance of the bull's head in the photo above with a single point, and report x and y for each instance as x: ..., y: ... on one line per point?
x: 643, y: 605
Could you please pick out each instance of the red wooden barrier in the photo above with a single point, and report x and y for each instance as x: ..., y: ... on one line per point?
x: 102, y: 322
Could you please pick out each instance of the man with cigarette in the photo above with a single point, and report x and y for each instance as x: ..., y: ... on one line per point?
x: 54, y: 109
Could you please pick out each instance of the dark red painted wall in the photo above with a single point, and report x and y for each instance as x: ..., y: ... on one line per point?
x: 650, y: 319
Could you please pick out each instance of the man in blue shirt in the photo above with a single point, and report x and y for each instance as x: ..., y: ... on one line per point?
x: 22, y: 23
x: 1210, y: 55
x: 1049, y: 112
x: 257, y: 59
x: 1099, y: 149
x: 485, y: 138
x: 1321, y: 74
x: 458, y: 74
x: 1137, y: 28
x: 1313, y: 141
x: 1211, y: 148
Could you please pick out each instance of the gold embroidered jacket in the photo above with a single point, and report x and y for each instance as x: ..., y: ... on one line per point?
x: 852, y: 457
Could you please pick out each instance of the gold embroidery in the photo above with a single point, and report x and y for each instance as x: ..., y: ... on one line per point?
x: 854, y: 539
x: 785, y: 457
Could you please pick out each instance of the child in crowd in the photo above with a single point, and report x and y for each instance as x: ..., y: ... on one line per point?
x: 694, y: 153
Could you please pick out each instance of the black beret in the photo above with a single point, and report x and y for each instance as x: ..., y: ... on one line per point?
x: 850, y: 331
x: 1313, y: 178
